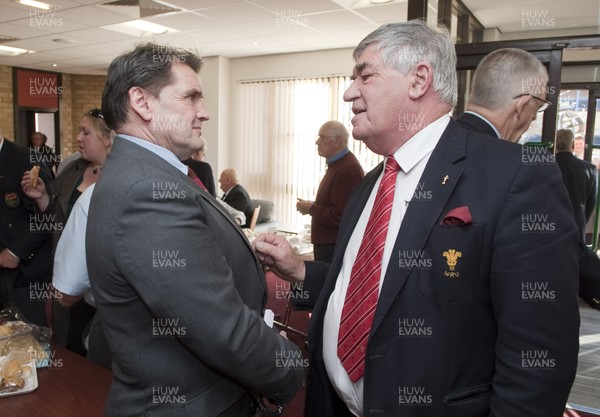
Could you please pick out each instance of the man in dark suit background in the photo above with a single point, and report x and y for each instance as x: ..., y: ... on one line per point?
x: 504, y: 81
x: 235, y: 195
x: 496, y: 106
x: 579, y: 176
x: 25, y: 238
x: 474, y: 312
x: 178, y: 289
x: 202, y: 169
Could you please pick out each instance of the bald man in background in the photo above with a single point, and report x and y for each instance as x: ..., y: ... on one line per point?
x: 235, y: 195
x: 343, y: 174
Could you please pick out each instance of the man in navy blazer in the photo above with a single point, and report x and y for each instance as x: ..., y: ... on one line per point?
x: 579, y: 176
x: 496, y: 108
x: 477, y: 308
x: 25, y: 238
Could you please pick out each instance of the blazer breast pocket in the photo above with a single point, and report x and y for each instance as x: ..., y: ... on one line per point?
x: 455, y: 267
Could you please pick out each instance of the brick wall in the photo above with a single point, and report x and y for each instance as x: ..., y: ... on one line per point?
x: 80, y: 93
x: 7, y: 120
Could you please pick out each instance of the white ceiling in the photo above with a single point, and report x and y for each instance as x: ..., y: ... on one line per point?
x: 70, y: 34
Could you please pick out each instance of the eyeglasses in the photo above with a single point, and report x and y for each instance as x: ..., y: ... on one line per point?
x: 96, y: 113
x: 545, y: 103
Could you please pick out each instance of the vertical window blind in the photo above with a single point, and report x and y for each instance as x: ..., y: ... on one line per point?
x: 277, y: 125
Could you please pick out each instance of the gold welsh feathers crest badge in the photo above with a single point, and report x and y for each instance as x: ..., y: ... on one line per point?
x: 452, y: 256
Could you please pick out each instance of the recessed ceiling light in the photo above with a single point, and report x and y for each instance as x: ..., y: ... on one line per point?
x: 139, y: 28
x: 34, y: 3
x: 255, y: 43
x: 10, y: 51
x: 55, y: 65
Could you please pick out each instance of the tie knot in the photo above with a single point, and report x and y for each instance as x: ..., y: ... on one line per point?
x: 391, y: 165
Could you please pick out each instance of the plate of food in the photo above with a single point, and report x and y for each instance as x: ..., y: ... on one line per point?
x: 13, y: 329
x: 17, y: 378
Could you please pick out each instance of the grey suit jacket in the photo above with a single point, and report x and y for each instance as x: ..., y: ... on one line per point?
x: 180, y: 295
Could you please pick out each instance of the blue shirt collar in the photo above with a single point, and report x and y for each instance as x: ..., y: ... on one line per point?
x: 337, y: 156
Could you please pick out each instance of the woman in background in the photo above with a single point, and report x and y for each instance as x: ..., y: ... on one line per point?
x: 57, y: 200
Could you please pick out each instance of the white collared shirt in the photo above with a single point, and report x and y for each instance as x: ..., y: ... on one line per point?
x: 412, y: 158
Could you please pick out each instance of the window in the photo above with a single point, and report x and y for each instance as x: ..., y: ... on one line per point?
x: 277, y: 126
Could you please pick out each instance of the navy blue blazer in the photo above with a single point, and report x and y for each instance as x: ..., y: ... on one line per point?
x: 496, y: 336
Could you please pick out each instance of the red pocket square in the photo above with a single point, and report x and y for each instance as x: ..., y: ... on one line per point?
x: 460, y: 216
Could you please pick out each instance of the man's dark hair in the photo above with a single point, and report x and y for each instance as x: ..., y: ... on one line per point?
x: 148, y: 66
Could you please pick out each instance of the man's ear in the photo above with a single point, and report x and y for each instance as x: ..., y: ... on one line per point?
x: 140, y: 102
x: 422, y: 80
x: 521, y: 104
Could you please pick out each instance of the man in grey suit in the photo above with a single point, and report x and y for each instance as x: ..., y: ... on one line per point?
x: 178, y: 289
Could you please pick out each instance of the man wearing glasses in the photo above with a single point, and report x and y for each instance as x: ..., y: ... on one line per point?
x: 509, y: 90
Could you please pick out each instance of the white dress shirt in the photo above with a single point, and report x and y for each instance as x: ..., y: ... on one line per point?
x: 412, y: 158
x: 70, y: 267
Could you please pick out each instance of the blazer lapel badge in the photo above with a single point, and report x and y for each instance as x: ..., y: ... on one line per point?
x: 460, y: 216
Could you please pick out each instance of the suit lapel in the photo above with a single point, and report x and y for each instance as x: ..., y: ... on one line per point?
x: 134, y: 151
x: 209, y: 199
x: 446, y: 162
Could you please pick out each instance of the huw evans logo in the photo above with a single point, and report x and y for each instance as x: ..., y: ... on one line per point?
x: 44, y: 18
x: 167, y: 191
x: 408, y: 259
x: 44, y: 223
x: 414, y: 396
x: 537, y: 223
x: 290, y: 359
x: 167, y: 259
x: 44, y: 87
x: 168, y: 327
x: 537, y: 359
x: 536, y: 18
x: 167, y: 396
x: 536, y: 291
x: 536, y: 155
x: 413, y: 328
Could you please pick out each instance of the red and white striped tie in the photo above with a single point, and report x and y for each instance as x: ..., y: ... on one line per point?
x: 363, y: 289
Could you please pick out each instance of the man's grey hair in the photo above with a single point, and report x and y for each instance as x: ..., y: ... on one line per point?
x: 403, y: 45
x: 505, y: 74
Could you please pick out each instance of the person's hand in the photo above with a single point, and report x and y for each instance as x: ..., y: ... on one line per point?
x: 37, y: 193
x: 275, y: 252
x: 8, y: 260
x: 303, y: 206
